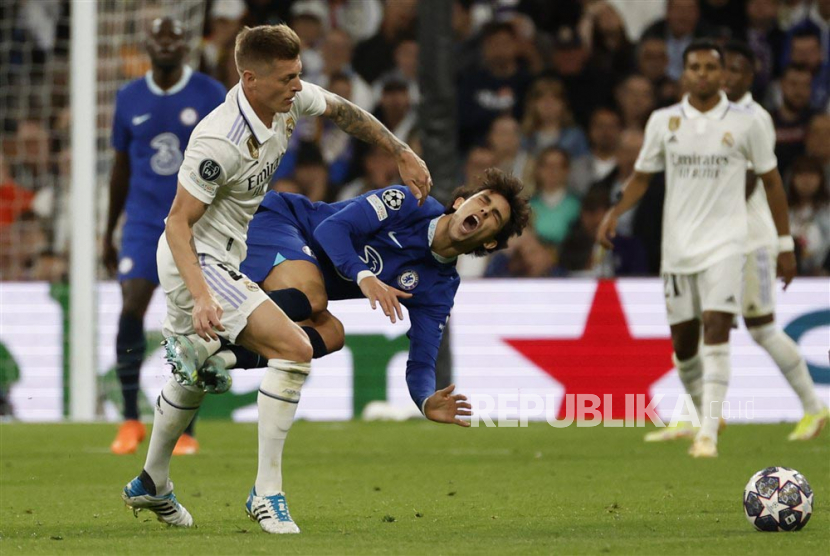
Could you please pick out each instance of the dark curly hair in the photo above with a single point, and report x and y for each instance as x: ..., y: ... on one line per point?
x: 508, y: 187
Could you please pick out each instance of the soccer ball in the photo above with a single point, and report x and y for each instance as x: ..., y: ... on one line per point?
x: 778, y: 499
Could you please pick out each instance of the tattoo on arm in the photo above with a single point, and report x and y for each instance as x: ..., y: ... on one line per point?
x: 359, y: 123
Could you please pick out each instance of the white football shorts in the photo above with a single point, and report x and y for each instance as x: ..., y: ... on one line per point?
x: 717, y: 288
x: 237, y: 295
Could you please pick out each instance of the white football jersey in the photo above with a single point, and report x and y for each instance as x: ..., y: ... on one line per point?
x: 229, y: 162
x: 760, y: 225
x: 705, y: 158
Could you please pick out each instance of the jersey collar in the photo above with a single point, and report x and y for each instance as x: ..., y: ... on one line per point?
x: 716, y: 113
x: 745, y: 100
x: 431, y: 236
x: 261, y: 132
x: 182, y: 83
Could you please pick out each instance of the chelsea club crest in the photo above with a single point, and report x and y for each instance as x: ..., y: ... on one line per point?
x: 408, y: 280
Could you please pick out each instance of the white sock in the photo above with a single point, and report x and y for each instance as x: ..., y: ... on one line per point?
x: 204, y: 348
x: 785, y: 353
x: 175, y: 408
x: 277, y: 402
x: 228, y: 357
x: 716, y: 371
x: 691, y: 375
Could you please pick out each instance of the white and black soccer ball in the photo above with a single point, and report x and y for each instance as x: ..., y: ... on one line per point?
x: 778, y: 499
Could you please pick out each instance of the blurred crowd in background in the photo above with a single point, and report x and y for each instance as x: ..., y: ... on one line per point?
x: 555, y: 92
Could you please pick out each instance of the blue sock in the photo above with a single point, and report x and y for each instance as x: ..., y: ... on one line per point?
x: 293, y: 303
x: 317, y: 344
x: 130, y: 346
x: 247, y: 359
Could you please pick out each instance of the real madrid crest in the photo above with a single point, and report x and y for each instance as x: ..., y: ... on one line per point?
x: 727, y: 139
x: 289, y: 127
x: 253, y: 147
x: 251, y: 286
x: 674, y: 123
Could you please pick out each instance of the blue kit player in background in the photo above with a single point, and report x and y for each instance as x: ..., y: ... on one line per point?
x: 154, y: 117
x: 381, y: 246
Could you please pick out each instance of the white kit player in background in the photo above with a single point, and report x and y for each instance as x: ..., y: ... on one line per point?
x: 704, y: 144
x: 227, y: 168
x: 758, y: 304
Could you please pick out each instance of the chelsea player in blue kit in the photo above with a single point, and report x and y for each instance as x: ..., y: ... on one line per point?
x: 381, y: 246
x: 154, y: 117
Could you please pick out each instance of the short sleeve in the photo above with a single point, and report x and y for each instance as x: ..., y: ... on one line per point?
x: 121, y: 134
x: 311, y: 101
x: 760, y: 150
x: 652, y: 157
x: 209, y: 163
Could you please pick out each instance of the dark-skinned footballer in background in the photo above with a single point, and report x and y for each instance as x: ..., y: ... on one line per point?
x: 704, y: 144
x: 763, y: 244
x: 154, y: 117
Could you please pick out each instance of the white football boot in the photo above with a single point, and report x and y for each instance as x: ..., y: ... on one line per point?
x: 682, y: 429
x: 166, y: 507
x: 271, y: 512
x: 704, y: 447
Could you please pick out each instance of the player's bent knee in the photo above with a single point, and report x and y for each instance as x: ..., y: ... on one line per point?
x: 297, y: 347
x: 716, y: 327
x: 319, y: 301
x: 762, y: 333
x: 338, y: 336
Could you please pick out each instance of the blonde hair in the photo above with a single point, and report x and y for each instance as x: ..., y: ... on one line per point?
x: 542, y: 86
x: 264, y: 44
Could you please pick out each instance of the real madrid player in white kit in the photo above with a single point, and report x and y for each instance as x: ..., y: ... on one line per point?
x: 227, y: 168
x: 704, y: 144
x: 758, y: 296
x: 758, y: 304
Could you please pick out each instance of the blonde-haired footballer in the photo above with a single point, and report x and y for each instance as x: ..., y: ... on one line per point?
x: 227, y: 168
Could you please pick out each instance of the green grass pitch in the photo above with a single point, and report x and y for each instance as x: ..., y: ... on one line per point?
x: 411, y: 488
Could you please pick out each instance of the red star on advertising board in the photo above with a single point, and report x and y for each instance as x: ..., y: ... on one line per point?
x: 605, y: 360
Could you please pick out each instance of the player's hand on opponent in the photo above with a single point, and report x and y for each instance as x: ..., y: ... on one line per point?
x: 786, y: 267
x: 110, y: 256
x: 445, y: 407
x: 415, y: 175
x: 607, y: 230
x: 207, y: 313
x: 378, y: 292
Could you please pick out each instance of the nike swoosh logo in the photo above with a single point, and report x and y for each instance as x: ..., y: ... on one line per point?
x: 392, y: 235
x: 138, y: 120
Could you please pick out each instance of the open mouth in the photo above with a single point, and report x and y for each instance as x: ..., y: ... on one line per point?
x: 470, y: 224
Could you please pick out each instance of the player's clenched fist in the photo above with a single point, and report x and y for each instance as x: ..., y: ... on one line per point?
x: 607, y: 230
x: 415, y: 175
x: 379, y: 293
x: 207, y: 315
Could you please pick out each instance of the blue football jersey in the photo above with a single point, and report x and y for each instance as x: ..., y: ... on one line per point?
x: 387, y: 233
x: 153, y: 127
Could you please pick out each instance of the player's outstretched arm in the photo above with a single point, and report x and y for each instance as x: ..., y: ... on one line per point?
x: 119, y: 187
x: 359, y: 123
x: 777, y: 199
x: 185, y: 212
x: 632, y: 192
x: 445, y: 407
